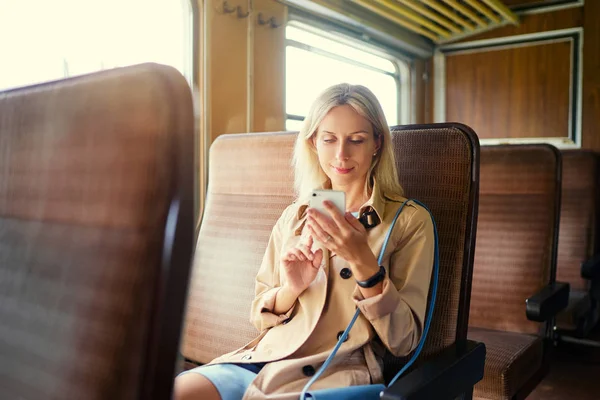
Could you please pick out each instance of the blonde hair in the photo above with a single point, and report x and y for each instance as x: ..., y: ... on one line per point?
x: 308, y: 174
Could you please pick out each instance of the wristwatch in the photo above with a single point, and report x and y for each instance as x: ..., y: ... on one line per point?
x: 374, y: 280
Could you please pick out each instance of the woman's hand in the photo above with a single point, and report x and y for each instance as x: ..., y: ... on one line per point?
x: 346, y: 236
x: 300, y: 266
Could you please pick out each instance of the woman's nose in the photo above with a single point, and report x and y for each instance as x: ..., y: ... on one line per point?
x: 342, y: 152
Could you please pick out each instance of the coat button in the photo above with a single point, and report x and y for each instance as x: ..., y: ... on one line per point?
x: 346, y: 273
x: 308, y: 370
x: 247, y: 357
x: 339, y: 335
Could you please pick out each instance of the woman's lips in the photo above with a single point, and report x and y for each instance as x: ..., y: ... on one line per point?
x: 342, y: 170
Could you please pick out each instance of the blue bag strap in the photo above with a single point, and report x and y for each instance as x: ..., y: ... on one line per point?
x: 428, y: 318
x: 434, y: 289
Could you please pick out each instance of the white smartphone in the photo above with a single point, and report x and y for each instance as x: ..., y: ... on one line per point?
x: 337, y: 197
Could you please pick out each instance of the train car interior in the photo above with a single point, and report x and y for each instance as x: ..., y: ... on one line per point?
x: 157, y: 236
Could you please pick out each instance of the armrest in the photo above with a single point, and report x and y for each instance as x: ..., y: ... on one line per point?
x: 548, y: 302
x: 447, y: 376
x: 595, y: 290
x: 591, y: 268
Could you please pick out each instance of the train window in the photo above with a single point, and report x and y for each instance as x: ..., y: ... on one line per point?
x: 315, y: 61
x: 45, y: 40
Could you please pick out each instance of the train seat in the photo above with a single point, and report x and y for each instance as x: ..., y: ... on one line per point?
x: 250, y: 183
x: 96, y: 238
x: 514, y: 287
x: 578, y: 242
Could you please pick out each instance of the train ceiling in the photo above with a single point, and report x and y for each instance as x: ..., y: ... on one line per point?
x: 440, y: 21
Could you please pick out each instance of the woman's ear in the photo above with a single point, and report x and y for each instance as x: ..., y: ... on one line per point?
x: 313, y: 142
x: 378, y: 143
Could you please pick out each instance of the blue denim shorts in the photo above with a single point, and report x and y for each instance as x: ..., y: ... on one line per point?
x: 231, y: 380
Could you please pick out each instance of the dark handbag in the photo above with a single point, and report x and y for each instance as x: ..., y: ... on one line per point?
x: 374, y: 391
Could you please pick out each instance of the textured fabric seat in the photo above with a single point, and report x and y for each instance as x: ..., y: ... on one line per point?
x: 438, y: 164
x: 511, y: 359
x: 92, y: 285
x: 250, y: 184
x: 578, y: 238
x: 515, y: 258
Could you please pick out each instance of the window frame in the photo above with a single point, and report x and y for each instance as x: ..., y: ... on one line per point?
x: 188, y: 62
x: 401, y: 64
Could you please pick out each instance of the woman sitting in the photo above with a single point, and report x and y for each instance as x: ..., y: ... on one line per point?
x: 319, y: 267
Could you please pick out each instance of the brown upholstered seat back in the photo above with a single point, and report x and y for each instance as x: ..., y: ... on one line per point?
x: 438, y: 165
x: 89, y: 168
x: 250, y: 184
x: 578, y: 216
x: 516, y: 235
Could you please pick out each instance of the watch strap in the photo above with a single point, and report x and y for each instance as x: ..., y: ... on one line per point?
x: 374, y: 280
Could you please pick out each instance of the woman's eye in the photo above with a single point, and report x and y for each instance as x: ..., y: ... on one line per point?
x: 328, y: 140
x: 357, y: 141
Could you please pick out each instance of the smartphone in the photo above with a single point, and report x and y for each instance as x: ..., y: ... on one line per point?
x: 337, y: 197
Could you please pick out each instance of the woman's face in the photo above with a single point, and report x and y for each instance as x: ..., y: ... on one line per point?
x: 345, y: 145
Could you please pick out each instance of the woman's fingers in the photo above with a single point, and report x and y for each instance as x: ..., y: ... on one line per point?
x: 294, y: 254
x: 336, y: 215
x: 316, y: 262
x: 305, y: 251
x: 309, y: 242
x: 298, y: 253
x: 289, y: 257
x: 324, y: 222
x: 355, y: 223
x: 320, y: 233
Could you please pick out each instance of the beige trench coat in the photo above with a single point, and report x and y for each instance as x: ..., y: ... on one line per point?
x: 297, y: 343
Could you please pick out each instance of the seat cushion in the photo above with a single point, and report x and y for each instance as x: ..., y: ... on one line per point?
x: 512, y: 358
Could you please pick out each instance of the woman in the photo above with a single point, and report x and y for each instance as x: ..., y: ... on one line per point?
x: 319, y: 267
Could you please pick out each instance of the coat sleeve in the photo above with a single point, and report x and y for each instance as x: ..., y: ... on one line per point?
x: 398, y: 313
x: 268, y: 283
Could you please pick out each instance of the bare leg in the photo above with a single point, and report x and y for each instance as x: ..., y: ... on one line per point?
x: 194, y: 387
